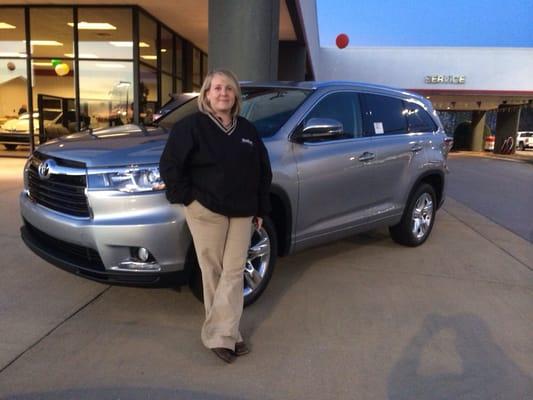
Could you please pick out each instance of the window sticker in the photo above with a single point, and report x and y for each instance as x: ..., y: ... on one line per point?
x: 378, y: 128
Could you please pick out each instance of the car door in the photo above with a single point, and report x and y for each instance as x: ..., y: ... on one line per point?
x: 331, y: 172
x: 395, y: 127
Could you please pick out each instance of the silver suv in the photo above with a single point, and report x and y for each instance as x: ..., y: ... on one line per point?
x: 346, y: 157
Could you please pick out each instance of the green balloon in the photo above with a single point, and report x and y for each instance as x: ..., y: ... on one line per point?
x: 55, y: 62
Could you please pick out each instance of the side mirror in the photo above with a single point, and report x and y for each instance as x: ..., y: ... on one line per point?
x: 321, y: 128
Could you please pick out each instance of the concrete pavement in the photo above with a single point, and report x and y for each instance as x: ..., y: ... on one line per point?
x: 361, y: 318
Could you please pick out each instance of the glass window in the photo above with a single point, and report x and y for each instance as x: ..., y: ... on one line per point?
x: 418, y: 120
x: 13, y: 79
x: 204, y: 66
x: 196, y: 69
x: 268, y: 109
x: 12, y: 36
x: 342, y: 107
x: 179, y: 86
x: 51, y: 34
x: 167, y: 55
x: 148, y: 35
x: 148, y: 92
x: 53, y: 97
x: 384, y: 115
x: 106, y: 93
x: 166, y: 87
x: 179, y: 57
x: 105, y: 33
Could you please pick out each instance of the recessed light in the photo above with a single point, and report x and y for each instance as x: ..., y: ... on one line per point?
x: 42, y: 64
x: 45, y: 43
x: 12, y: 54
x: 103, y: 26
x: 163, y: 50
x: 149, y: 57
x: 128, y: 44
x: 82, y: 55
x: 5, y: 25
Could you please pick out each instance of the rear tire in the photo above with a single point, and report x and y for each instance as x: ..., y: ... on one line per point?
x: 10, y: 147
x: 259, y: 267
x: 418, y: 218
x: 521, y: 146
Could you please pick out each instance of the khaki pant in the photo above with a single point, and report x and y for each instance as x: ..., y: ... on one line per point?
x: 221, y: 245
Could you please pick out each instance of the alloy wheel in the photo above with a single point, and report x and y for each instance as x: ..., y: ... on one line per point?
x: 422, y: 216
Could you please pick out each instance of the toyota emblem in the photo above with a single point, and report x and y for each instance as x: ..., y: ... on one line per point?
x: 44, y: 169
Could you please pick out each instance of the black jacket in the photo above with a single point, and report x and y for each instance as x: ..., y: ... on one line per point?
x: 227, y: 173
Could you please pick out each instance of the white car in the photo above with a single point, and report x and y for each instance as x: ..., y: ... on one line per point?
x: 16, y: 131
x: 524, y: 140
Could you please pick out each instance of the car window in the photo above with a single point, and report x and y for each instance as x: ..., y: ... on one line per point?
x: 342, y: 107
x: 418, y: 120
x: 267, y: 108
x: 383, y: 115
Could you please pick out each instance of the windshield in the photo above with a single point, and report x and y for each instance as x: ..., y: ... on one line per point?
x: 267, y: 108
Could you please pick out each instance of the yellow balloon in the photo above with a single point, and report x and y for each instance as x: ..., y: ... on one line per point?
x: 62, y: 69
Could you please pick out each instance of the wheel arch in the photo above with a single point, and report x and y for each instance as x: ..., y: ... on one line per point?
x: 281, y: 216
x: 436, y: 180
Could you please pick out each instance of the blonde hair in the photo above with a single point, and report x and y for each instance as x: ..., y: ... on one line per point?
x: 203, y: 102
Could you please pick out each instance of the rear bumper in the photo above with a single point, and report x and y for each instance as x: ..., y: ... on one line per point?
x: 92, y: 268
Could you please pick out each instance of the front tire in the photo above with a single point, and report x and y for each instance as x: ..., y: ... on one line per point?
x: 418, y: 218
x: 10, y: 146
x: 259, y: 267
x: 521, y: 146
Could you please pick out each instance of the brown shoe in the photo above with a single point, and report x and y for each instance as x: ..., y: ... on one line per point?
x: 241, y: 349
x: 224, y: 354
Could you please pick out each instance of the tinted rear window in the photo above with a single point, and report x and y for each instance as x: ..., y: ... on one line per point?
x: 418, y: 120
x: 383, y: 115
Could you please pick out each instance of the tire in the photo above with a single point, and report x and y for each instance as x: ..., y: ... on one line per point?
x: 10, y: 146
x: 418, y: 218
x: 262, y: 256
x: 521, y: 146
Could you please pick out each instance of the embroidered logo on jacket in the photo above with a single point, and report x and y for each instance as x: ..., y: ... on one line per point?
x: 243, y: 140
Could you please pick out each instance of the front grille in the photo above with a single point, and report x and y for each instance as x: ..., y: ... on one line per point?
x: 61, y: 192
x: 73, y: 253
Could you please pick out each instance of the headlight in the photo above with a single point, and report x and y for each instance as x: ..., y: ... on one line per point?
x: 142, y: 178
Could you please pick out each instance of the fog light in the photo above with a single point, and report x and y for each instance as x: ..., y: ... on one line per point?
x: 143, y: 254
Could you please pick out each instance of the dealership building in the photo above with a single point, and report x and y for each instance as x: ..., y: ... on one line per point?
x: 100, y: 63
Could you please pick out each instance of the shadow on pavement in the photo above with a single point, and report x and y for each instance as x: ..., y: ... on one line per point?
x: 484, y: 371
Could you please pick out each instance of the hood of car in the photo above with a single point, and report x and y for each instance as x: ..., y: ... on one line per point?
x: 19, y: 125
x: 118, y: 146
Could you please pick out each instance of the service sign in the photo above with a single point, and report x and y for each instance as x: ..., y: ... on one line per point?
x: 445, y: 79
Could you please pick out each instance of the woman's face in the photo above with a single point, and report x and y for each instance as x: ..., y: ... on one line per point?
x: 221, y: 95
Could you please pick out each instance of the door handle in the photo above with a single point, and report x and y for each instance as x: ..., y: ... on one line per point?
x: 366, y: 156
x: 416, y: 146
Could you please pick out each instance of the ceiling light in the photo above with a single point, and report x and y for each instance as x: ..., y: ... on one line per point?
x: 12, y: 54
x: 42, y: 64
x: 5, y: 25
x: 163, y: 50
x: 128, y: 44
x: 110, y: 66
x: 149, y: 57
x: 45, y: 43
x: 82, y: 55
x: 94, y: 26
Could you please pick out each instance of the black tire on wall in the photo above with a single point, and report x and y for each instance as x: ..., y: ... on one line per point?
x: 259, y: 268
x: 418, y: 218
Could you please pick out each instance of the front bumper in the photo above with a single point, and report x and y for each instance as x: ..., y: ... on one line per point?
x: 96, y: 247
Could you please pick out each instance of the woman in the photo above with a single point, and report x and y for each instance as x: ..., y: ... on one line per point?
x: 216, y: 165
